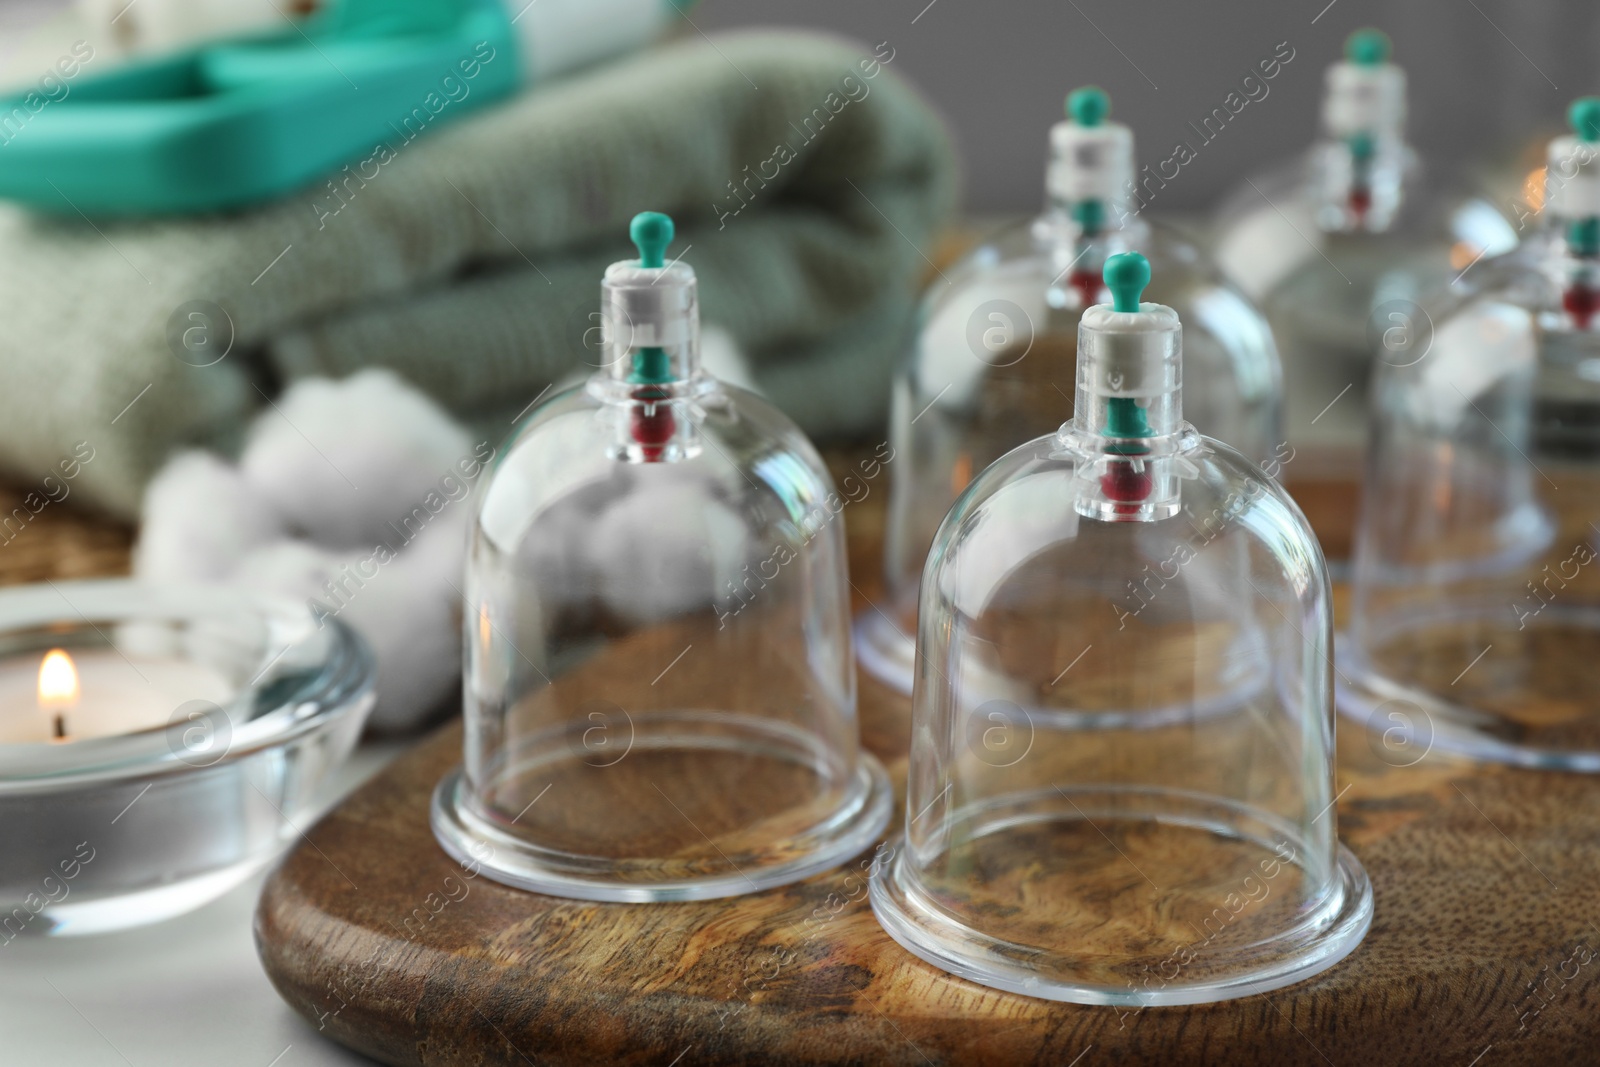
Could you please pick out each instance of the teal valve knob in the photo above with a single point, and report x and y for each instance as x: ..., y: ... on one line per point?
x: 1126, y: 275
x: 1090, y: 214
x: 1088, y: 106
x: 1584, y: 115
x: 651, y: 232
x: 1368, y: 48
x: 1583, y: 236
x: 1125, y: 418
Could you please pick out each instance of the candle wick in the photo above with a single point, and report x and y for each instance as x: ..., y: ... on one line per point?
x: 61, y: 726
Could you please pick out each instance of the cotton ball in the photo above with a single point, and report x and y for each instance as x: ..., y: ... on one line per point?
x: 560, y: 553
x: 292, y: 570
x: 661, y: 551
x: 200, y: 518
x: 295, y: 569
x: 402, y: 603
x: 341, y: 460
x: 385, y: 560
x: 409, y: 614
x: 722, y: 358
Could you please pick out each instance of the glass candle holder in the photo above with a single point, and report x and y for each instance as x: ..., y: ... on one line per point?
x: 1475, y: 618
x: 1121, y: 784
x: 992, y: 362
x: 659, y: 686
x: 157, y: 745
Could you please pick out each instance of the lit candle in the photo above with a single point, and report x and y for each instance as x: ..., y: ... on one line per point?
x: 162, y: 753
x: 98, y: 693
x: 58, y: 689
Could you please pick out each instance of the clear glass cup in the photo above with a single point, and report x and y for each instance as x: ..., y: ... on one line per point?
x: 1121, y: 784
x: 1475, y: 618
x: 1340, y: 245
x: 659, y: 685
x: 992, y: 363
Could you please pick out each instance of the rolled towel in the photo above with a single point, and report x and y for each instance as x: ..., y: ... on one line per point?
x: 806, y: 174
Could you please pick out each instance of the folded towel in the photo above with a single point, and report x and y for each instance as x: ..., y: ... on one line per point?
x: 806, y: 176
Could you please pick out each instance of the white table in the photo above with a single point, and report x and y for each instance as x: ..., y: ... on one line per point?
x: 188, y: 992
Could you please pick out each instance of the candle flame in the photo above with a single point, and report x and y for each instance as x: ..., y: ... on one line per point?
x: 1463, y: 254
x: 1533, y: 189
x: 58, y: 680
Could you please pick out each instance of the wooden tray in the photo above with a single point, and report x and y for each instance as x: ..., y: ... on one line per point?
x: 1483, y: 950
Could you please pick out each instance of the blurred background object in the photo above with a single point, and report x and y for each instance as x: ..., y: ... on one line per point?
x: 1484, y: 78
x: 1478, y: 523
x: 555, y: 35
x: 1345, y: 243
x: 170, y: 24
x: 464, y: 259
x: 221, y: 113
x: 1486, y: 85
x: 1483, y: 75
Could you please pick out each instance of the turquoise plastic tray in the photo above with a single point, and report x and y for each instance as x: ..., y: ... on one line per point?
x: 229, y: 125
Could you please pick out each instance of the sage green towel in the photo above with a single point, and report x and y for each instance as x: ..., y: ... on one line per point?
x: 469, y: 258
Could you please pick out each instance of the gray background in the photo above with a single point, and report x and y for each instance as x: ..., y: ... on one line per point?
x: 1486, y: 76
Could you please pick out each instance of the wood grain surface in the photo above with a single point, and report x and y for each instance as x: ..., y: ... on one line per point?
x: 1484, y: 951
x: 59, y: 541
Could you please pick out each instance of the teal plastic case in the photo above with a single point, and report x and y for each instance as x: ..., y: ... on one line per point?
x: 227, y: 125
